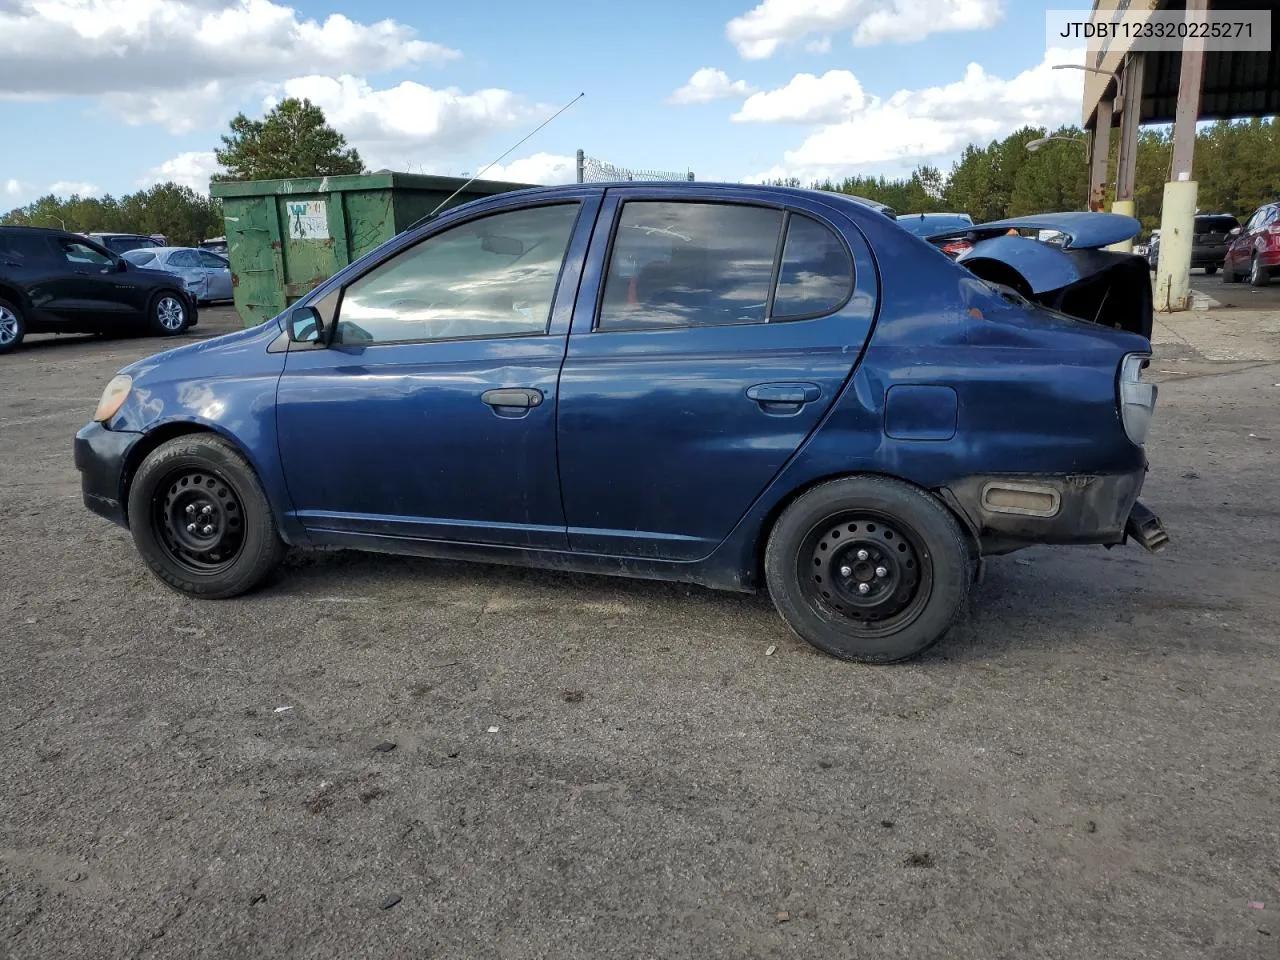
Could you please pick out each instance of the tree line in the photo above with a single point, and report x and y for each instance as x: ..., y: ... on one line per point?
x: 1237, y: 166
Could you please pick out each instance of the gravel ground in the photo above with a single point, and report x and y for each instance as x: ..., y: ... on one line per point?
x: 389, y: 757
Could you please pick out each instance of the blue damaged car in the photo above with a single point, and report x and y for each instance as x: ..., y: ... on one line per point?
x: 743, y: 387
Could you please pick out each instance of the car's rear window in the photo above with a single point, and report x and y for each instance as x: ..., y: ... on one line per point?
x: 1216, y: 224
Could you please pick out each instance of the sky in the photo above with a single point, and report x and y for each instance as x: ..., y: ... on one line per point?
x: 107, y: 96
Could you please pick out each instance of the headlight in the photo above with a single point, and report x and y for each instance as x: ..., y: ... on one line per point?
x: 1137, y: 399
x: 113, y: 398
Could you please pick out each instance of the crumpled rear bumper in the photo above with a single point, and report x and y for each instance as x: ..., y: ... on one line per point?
x: 1007, y: 512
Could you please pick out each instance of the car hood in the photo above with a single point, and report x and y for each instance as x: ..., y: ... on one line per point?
x: 203, y: 355
x: 1082, y: 231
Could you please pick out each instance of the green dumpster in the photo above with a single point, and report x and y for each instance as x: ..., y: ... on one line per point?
x: 286, y: 237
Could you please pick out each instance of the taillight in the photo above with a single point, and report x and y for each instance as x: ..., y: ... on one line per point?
x: 956, y: 247
x: 1137, y: 399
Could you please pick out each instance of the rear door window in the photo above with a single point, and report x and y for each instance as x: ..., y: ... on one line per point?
x: 22, y: 247
x: 685, y: 264
x: 184, y: 258
x: 816, y: 276
x: 212, y: 261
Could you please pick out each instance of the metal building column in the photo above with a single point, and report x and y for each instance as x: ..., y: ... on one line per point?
x: 1126, y: 165
x: 1177, y: 216
x: 1099, y: 154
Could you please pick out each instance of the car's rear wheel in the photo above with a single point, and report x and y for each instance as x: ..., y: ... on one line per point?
x: 1258, y: 275
x: 201, y: 520
x: 13, y: 327
x: 868, y: 569
x: 1210, y: 271
x: 168, y: 315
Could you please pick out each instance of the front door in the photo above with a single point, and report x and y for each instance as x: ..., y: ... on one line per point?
x: 719, y: 337
x: 92, y: 285
x: 432, y: 413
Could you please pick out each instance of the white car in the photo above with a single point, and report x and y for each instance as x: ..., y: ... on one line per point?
x: 206, y: 276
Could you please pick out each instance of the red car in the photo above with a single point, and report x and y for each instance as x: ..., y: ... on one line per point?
x: 1254, y: 249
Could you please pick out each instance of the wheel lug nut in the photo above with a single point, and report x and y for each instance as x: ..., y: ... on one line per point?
x: 191, y: 508
x: 191, y: 528
x: 207, y: 510
x: 207, y: 530
x: 882, y: 572
x: 864, y: 588
x: 846, y: 571
x: 863, y: 555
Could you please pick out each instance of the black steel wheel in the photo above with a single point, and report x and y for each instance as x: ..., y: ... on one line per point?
x: 868, y: 568
x: 200, y: 518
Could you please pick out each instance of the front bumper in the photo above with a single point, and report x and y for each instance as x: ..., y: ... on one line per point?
x: 1007, y: 513
x: 101, y: 455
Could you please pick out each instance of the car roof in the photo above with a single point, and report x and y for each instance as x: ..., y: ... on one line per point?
x: 109, y: 233
x: 52, y: 231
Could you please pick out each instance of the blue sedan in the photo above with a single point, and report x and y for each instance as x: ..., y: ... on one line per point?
x: 742, y: 387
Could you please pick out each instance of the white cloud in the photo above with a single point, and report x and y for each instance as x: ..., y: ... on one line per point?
x: 73, y: 188
x: 709, y: 84
x: 174, y: 61
x: 13, y: 188
x: 192, y: 169
x: 543, y: 168
x: 834, y: 96
x: 820, y: 46
x: 409, y: 124
x: 937, y: 122
x: 759, y: 32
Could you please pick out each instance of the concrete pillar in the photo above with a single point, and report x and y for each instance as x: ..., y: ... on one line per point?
x: 1126, y: 164
x: 1177, y: 216
x: 1099, y: 154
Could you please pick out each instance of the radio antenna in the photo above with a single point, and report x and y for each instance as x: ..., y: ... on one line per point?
x: 513, y: 146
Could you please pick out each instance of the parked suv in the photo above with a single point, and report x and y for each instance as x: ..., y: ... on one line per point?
x: 124, y: 242
x: 54, y: 281
x: 1254, y: 249
x: 1208, y: 241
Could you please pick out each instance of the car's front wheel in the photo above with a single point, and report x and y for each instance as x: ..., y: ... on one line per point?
x: 168, y: 315
x: 868, y: 569
x: 201, y: 520
x: 12, y: 327
x: 1210, y: 271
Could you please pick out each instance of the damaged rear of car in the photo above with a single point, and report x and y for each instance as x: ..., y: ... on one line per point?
x: 1071, y: 278
x: 1072, y: 274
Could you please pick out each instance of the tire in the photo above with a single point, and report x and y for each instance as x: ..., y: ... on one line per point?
x: 1210, y: 271
x: 168, y: 315
x: 918, y: 567
x: 1229, y: 275
x: 172, y: 489
x: 13, y: 327
x: 1258, y: 275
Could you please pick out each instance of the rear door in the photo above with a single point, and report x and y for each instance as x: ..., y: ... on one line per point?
x: 218, y: 272
x: 708, y: 340
x: 89, y: 286
x: 28, y: 260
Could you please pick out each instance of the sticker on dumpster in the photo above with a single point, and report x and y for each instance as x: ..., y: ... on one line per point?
x: 308, y: 220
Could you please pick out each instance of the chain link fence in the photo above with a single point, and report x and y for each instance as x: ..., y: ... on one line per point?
x: 591, y: 170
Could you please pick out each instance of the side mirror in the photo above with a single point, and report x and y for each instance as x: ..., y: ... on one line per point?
x: 305, y: 325
x: 1233, y: 232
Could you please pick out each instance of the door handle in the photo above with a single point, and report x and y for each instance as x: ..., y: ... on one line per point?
x: 783, y: 397
x: 521, y: 397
